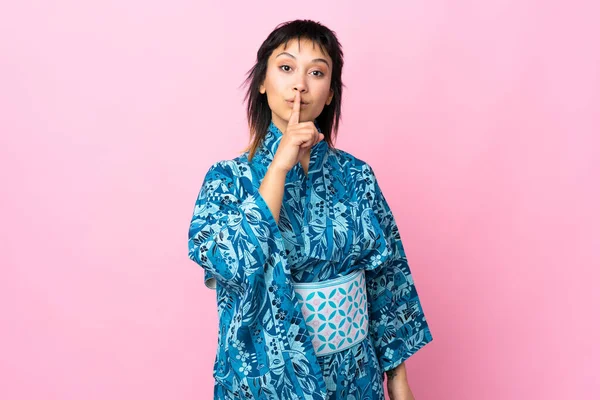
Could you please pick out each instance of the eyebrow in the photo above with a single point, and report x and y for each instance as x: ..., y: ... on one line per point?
x: 314, y: 60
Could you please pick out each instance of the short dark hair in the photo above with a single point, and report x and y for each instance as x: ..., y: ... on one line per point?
x: 258, y: 111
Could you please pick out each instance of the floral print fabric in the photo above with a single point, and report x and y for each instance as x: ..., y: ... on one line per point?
x: 333, y: 221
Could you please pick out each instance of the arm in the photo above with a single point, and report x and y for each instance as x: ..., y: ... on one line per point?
x: 397, y: 384
x: 397, y: 321
x: 232, y: 232
x: 271, y: 189
x: 397, y: 373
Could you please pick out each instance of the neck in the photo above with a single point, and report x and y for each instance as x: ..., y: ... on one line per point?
x: 280, y: 124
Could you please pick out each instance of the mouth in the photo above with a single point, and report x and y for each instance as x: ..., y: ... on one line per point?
x: 291, y: 103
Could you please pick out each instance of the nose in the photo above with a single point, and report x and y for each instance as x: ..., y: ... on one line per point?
x: 300, y: 86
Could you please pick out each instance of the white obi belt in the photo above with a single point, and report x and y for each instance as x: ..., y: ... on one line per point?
x: 335, y: 310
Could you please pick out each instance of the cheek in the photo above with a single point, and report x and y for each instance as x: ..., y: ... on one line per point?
x: 278, y: 82
x: 323, y: 93
x: 272, y: 82
x: 321, y: 88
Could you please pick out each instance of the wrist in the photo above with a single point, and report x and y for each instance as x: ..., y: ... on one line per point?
x: 276, y: 169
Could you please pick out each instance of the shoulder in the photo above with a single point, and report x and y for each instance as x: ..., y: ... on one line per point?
x: 229, y: 168
x: 232, y: 176
x: 355, y: 167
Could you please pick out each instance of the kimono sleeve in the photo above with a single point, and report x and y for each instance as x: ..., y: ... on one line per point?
x: 397, y: 322
x: 232, y: 232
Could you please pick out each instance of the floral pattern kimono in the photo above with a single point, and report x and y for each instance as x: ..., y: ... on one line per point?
x: 333, y: 220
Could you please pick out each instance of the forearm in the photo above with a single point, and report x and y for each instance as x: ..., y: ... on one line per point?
x: 398, y: 373
x: 271, y: 189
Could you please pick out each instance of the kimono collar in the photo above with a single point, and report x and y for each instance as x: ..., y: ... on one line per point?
x: 316, y: 234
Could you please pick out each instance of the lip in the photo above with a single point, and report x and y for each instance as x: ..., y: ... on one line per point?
x: 291, y: 102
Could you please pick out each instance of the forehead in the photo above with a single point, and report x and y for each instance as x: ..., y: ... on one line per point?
x: 301, y: 48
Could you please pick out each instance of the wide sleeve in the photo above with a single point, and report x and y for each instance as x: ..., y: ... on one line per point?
x: 397, y: 322
x: 232, y: 231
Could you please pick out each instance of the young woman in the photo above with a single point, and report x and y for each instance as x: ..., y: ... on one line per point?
x: 315, y: 297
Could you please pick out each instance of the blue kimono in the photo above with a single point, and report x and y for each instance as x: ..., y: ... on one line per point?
x: 333, y: 220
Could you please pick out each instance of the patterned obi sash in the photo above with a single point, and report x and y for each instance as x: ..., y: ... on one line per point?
x: 335, y: 311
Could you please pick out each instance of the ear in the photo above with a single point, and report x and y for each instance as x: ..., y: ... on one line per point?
x: 262, y: 89
x: 330, y: 96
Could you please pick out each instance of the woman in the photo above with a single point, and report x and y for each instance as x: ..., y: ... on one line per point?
x: 315, y: 297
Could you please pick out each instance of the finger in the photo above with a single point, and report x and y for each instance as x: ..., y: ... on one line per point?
x: 302, y: 132
x: 305, y: 140
x: 307, y: 124
x: 295, y: 116
x: 309, y: 137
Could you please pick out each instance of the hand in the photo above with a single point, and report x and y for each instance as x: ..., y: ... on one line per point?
x: 398, y: 389
x: 298, y: 138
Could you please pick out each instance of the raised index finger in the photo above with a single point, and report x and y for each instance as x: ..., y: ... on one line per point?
x: 295, y: 116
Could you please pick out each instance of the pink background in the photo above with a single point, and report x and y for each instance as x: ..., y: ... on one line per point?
x: 481, y: 120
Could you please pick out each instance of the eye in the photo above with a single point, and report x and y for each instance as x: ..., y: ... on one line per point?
x: 285, y: 66
x: 319, y: 72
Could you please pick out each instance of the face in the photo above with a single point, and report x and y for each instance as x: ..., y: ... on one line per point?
x: 303, y: 67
